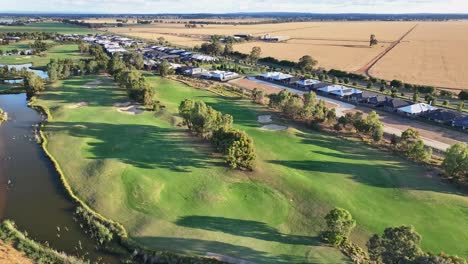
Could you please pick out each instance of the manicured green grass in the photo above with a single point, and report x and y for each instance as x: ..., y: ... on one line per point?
x: 65, y: 51
x: 171, y: 192
x: 55, y: 27
x: 21, y: 45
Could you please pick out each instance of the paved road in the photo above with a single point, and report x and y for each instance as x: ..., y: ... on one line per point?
x: 343, y: 107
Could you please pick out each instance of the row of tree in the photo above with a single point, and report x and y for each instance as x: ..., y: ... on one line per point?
x: 369, y: 125
x: 397, y: 245
x: 208, y: 123
x: 304, y: 107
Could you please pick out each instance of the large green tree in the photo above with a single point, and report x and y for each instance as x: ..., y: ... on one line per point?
x: 396, y: 245
x: 255, y: 54
x: 340, y: 223
x: 33, y: 84
x: 456, y: 161
x: 306, y: 63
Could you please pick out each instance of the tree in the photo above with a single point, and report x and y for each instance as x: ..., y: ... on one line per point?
x: 134, y: 59
x: 377, y: 133
x: 461, y: 106
x: 33, y: 84
x: 228, y: 48
x: 396, y: 245
x: 306, y: 63
x: 463, y: 95
x: 438, y: 259
x: 415, y: 96
x: 396, y: 83
x: 258, y: 96
x: 419, y: 152
x: 373, y: 41
x: 340, y: 223
x: 116, y: 64
x: 39, y: 46
x: 161, y: 40
x: 165, y: 69
x: 255, y: 54
x: 456, y: 161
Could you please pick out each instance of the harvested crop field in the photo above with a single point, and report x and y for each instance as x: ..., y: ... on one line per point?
x: 343, y: 55
x: 432, y: 54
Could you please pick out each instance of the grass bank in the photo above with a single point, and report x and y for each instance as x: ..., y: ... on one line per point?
x: 170, y: 192
x: 38, y: 252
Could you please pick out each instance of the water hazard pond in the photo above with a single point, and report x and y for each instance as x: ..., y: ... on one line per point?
x: 27, y: 66
x: 31, y: 193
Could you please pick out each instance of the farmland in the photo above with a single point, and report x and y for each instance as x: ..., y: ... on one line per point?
x: 170, y: 192
x: 47, y: 27
x: 431, y: 54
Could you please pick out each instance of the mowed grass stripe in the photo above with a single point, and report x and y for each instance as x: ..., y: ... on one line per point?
x: 171, y: 192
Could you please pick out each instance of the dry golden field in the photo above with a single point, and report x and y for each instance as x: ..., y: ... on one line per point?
x: 432, y: 54
x: 435, y: 53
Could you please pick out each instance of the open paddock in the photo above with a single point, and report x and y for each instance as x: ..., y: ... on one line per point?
x: 431, y: 54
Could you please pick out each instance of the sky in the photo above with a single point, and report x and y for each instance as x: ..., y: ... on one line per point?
x: 231, y: 6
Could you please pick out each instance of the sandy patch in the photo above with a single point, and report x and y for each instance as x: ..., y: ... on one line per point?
x: 131, y: 109
x: 274, y: 127
x: 93, y: 84
x: 124, y: 104
x: 264, y: 119
x: 78, y: 105
x: 10, y: 255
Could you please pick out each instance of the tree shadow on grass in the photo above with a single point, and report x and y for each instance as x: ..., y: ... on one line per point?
x: 246, y: 116
x: 143, y: 146
x: 202, y: 247
x: 388, y: 171
x: 245, y: 228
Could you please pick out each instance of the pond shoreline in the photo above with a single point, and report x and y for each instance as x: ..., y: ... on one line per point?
x: 66, y: 194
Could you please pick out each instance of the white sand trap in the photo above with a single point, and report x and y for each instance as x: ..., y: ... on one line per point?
x: 264, y: 119
x: 131, y: 110
x: 92, y: 84
x: 274, y: 127
x: 125, y: 104
x: 78, y: 105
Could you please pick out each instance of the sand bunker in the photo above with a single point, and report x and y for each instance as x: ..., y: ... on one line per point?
x: 264, y: 119
x: 125, y: 104
x: 78, y: 105
x: 274, y: 127
x: 131, y: 109
x: 93, y: 84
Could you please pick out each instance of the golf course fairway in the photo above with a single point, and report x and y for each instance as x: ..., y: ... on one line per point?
x: 171, y: 192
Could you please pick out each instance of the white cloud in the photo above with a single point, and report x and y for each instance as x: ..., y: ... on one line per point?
x: 229, y: 6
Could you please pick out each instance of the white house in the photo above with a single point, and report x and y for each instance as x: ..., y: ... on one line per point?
x: 416, y: 109
x: 330, y: 88
x: 346, y: 91
x: 277, y: 76
x: 307, y: 82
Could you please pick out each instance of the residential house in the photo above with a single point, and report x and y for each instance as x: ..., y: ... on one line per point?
x: 416, y: 109
x: 442, y: 116
x: 392, y: 104
x: 461, y: 123
x: 307, y: 84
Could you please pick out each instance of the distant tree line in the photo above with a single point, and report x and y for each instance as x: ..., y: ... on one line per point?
x: 205, y: 122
